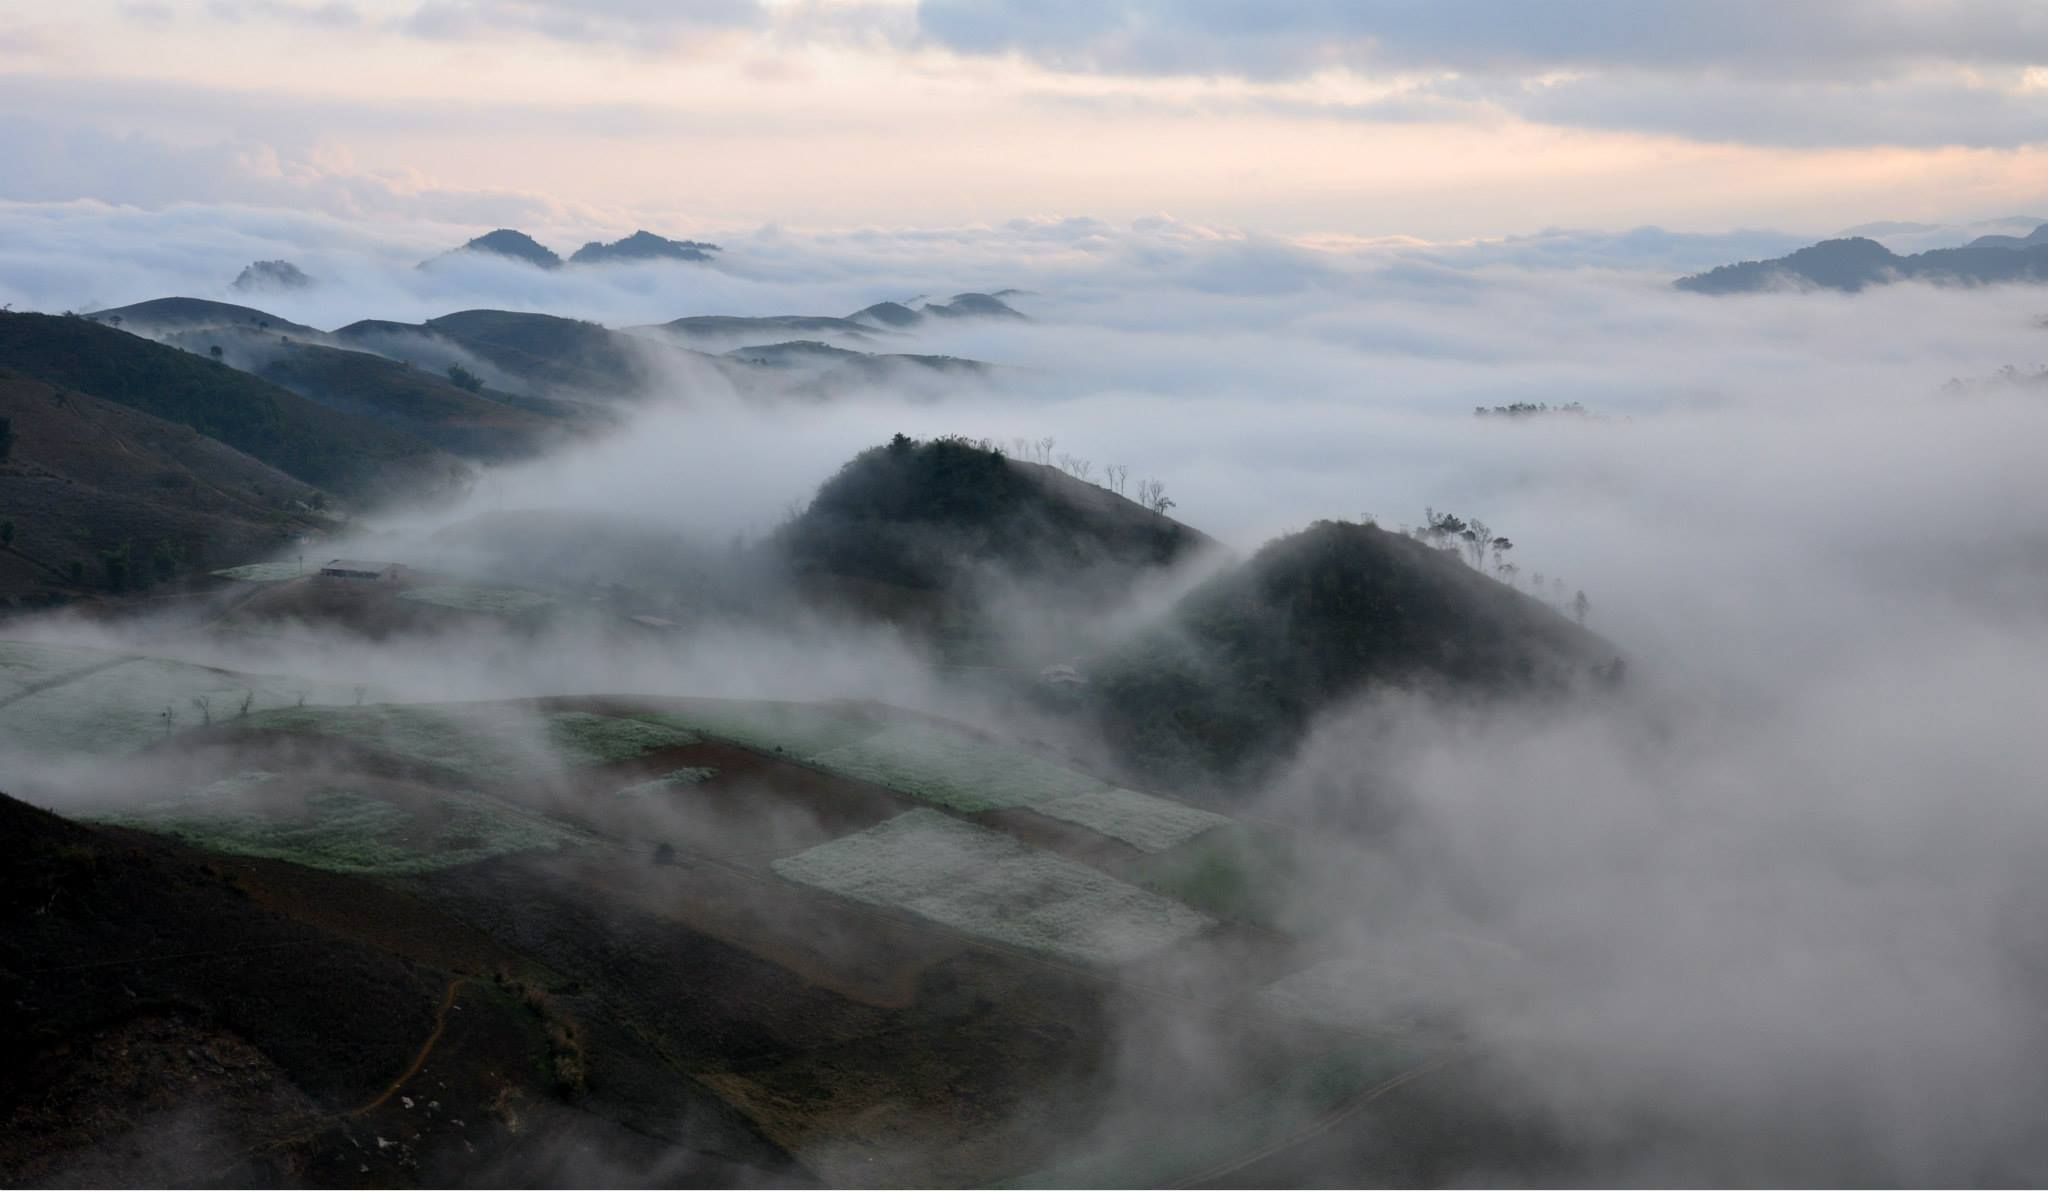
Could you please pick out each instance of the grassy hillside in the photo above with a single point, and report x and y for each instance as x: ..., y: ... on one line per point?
x: 160, y: 315
x: 342, y: 453
x: 1239, y: 669
x: 550, y: 352
x: 425, y: 405
x: 104, y: 497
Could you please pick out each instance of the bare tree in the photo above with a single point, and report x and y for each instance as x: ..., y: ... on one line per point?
x: 205, y: 706
x: 1581, y: 606
x: 248, y: 699
x: 1478, y: 536
x: 1045, y: 446
x: 1115, y: 474
x: 1501, y: 547
x: 1152, y: 495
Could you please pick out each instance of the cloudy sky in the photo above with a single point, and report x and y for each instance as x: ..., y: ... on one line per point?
x: 1441, y: 119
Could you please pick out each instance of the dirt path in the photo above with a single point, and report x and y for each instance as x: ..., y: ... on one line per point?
x: 426, y: 1049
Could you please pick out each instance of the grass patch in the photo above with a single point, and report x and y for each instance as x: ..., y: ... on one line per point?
x: 799, y: 731
x: 262, y: 573
x: 586, y: 739
x: 122, y: 708
x: 988, y: 885
x: 951, y: 769
x: 25, y: 664
x: 341, y: 830
x: 1142, y: 821
x: 674, y: 780
x: 483, y: 742
x: 501, y: 602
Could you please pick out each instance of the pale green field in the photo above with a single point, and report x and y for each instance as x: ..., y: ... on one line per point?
x: 262, y: 573
x: 503, y: 602
x: 342, y: 830
x: 138, y: 700
x: 951, y: 769
x: 989, y: 885
x: 1142, y: 821
x: 488, y: 742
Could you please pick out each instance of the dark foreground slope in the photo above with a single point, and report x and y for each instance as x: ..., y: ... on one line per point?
x: 1229, y: 682
x: 178, y: 1018
x: 341, y: 453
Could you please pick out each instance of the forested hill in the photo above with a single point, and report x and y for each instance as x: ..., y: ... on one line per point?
x: 1227, y: 684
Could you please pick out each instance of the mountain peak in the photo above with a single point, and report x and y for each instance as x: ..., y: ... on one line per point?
x: 643, y: 245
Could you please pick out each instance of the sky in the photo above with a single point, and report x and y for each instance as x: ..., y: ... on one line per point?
x: 1437, y: 119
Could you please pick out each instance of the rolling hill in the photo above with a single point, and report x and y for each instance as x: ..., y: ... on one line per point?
x: 1226, y: 684
x: 103, y: 497
x: 344, y: 454
x: 1855, y: 263
x: 642, y: 246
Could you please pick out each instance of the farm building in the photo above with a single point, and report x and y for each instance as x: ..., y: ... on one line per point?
x: 358, y: 569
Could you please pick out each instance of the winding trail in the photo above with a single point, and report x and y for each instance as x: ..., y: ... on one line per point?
x: 426, y: 1049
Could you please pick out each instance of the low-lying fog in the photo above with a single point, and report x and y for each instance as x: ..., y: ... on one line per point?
x: 1773, y: 916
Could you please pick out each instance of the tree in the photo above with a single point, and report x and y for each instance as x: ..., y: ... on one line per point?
x: 214, y: 351
x: 205, y: 706
x: 1152, y: 495
x: 1478, y: 536
x: 7, y: 535
x: 6, y: 437
x: 1581, y: 606
x: 462, y: 378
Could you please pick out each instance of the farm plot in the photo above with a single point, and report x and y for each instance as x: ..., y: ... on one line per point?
x: 988, y: 885
x: 1143, y: 821
x: 501, y: 602
x: 30, y: 664
x: 130, y: 704
x: 483, y: 742
x: 343, y: 830
x: 951, y: 769
x: 798, y: 731
x: 262, y: 573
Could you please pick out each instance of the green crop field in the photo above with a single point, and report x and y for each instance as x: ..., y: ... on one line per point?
x: 489, y: 742
x: 131, y: 702
x: 798, y: 731
x: 988, y: 885
x: 341, y: 830
x: 952, y: 769
x: 1142, y: 821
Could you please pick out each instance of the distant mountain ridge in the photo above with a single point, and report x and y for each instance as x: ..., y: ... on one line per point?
x: 642, y: 245
x: 1854, y: 263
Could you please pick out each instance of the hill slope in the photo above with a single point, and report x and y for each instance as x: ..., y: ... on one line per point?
x: 86, y: 479
x: 1233, y: 677
x: 427, y: 406
x: 342, y: 453
x: 928, y: 515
